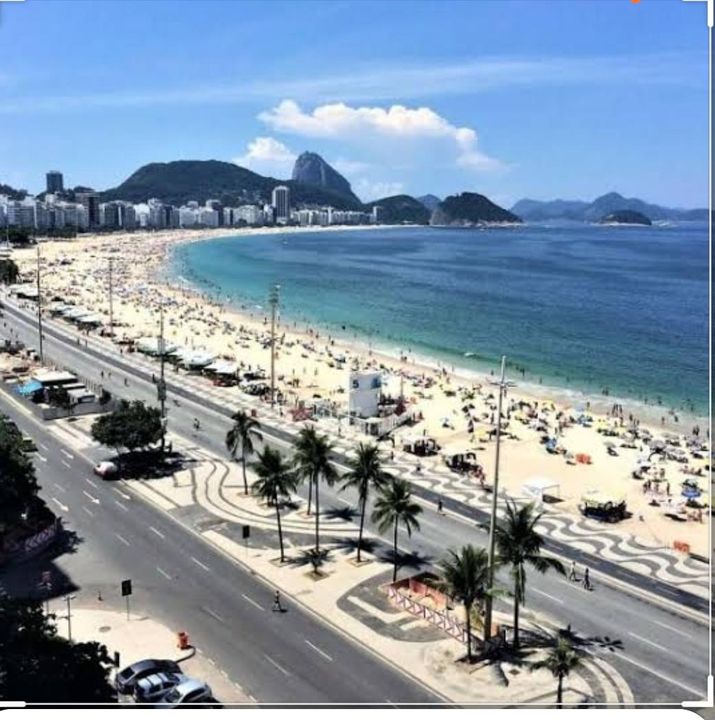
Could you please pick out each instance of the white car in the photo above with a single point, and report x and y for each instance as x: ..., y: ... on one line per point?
x: 153, y: 687
x: 188, y: 692
x: 105, y: 469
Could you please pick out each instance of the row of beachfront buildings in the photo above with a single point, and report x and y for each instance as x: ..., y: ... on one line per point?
x: 54, y: 211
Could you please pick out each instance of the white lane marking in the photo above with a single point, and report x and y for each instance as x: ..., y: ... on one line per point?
x: 66, y: 464
x: 91, y: 482
x: 650, y: 642
x: 93, y: 499
x: 88, y: 511
x: 164, y: 573
x: 214, y: 615
x: 319, y: 651
x: 124, y: 540
x: 42, y: 457
x: 69, y: 456
x: 274, y: 663
x: 672, y: 629
x: 545, y: 594
x: 122, y: 505
x: 155, y: 531
x: 345, y: 502
x: 252, y: 601
x: 697, y: 693
x: 44, y: 447
x: 59, y: 487
x: 122, y: 494
x: 63, y: 507
x: 200, y: 564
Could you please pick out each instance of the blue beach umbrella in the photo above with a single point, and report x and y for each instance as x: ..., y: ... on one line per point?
x: 690, y: 492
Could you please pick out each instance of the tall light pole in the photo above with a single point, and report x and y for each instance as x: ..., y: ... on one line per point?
x: 161, y: 386
x: 273, y: 300
x: 111, y: 300
x: 69, y: 599
x: 39, y: 303
x: 502, y: 385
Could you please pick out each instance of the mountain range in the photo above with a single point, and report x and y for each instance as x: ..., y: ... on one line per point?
x: 537, y: 210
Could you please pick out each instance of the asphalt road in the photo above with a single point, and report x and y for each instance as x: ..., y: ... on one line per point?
x: 663, y: 656
x: 178, y: 578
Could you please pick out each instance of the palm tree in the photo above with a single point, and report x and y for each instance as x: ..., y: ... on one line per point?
x: 365, y: 472
x: 312, y: 461
x: 466, y: 579
x: 519, y: 545
x: 394, y: 506
x: 240, y: 438
x: 561, y: 660
x: 275, y: 481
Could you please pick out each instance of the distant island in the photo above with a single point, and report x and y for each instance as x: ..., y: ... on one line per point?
x: 582, y: 211
x: 625, y: 217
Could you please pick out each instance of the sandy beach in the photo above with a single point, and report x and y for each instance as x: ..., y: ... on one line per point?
x: 458, y: 408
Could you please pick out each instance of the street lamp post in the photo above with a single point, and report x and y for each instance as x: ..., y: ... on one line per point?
x: 39, y: 303
x: 69, y: 599
x: 273, y: 300
x: 502, y: 385
x: 161, y: 386
x: 111, y: 302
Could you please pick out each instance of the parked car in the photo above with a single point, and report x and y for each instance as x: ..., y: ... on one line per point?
x: 153, y: 687
x: 128, y: 678
x: 188, y: 692
x: 105, y: 469
x: 28, y: 444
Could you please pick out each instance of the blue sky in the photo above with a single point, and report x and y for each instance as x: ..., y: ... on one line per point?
x: 511, y: 98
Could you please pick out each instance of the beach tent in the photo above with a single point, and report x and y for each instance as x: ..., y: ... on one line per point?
x: 150, y: 346
x: 536, y: 487
x: 90, y: 319
x: 29, y: 388
x: 222, y: 367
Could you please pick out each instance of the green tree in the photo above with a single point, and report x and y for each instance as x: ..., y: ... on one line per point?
x: 365, y: 472
x: 394, y: 505
x: 18, y: 484
x: 466, y: 579
x: 519, y: 545
x: 561, y: 659
x: 239, y: 439
x: 9, y: 272
x: 39, y: 666
x: 276, y: 481
x: 61, y: 398
x: 131, y: 426
x: 312, y: 462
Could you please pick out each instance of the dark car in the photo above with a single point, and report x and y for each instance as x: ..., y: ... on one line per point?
x: 127, y: 679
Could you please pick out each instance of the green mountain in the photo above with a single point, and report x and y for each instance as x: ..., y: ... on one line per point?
x: 311, y: 169
x: 429, y: 201
x: 470, y: 209
x: 625, y: 217
x: 183, y: 180
x: 537, y: 211
x: 399, y: 209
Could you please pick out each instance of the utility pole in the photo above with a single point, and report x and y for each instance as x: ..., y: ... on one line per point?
x: 273, y: 300
x: 39, y: 302
x: 111, y: 300
x: 502, y: 385
x: 69, y: 598
x: 161, y: 388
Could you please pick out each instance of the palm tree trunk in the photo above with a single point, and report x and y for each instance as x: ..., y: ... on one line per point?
x: 362, y: 522
x: 317, y: 514
x: 468, y: 611
x: 394, y: 571
x: 280, y: 529
x: 245, y: 482
x: 560, y: 692
x: 516, y: 618
x: 310, y: 493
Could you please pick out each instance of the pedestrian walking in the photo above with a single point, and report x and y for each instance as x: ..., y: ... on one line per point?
x: 586, y: 580
x: 277, y: 607
x: 440, y: 505
x: 572, y: 572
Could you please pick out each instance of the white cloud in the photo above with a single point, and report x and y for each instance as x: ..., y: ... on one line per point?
x: 341, y: 121
x: 268, y: 156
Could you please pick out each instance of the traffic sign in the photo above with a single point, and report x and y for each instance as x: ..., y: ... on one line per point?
x: 126, y: 588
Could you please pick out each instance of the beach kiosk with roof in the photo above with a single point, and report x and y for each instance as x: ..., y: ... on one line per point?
x: 538, y: 488
x: 603, y: 506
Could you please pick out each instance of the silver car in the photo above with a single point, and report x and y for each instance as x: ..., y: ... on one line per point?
x: 153, y: 687
x: 189, y: 691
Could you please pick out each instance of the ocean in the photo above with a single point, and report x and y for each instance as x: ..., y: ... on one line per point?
x: 594, y: 309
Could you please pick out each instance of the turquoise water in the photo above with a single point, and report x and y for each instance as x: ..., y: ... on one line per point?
x: 577, y: 306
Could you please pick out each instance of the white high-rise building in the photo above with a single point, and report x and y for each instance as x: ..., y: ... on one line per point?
x: 281, y: 202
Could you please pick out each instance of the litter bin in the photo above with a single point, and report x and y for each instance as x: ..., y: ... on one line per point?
x: 182, y: 640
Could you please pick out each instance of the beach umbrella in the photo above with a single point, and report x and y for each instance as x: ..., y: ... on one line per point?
x: 690, y: 492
